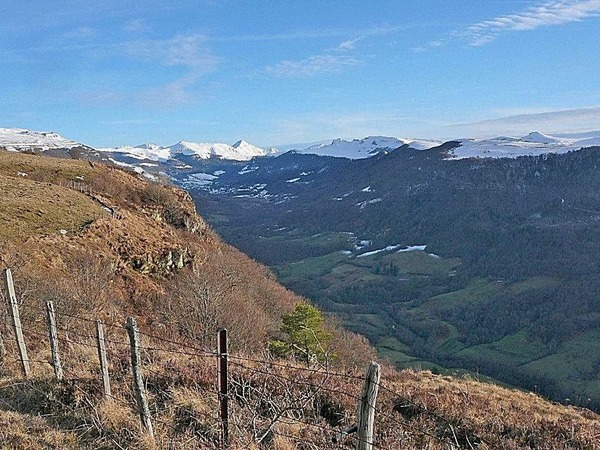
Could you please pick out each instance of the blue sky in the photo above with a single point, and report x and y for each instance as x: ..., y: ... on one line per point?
x: 110, y: 73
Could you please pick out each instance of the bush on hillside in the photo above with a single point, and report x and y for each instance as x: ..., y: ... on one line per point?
x: 305, y: 337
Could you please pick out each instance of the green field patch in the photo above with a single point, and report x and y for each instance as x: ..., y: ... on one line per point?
x: 311, y: 267
x: 344, y: 308
x: 347, y: 274
x: 396, y: 357
x: 452, y: 345
x: 516, y: 349
x: 421, y: 263
x: 393, y: 344
x: 574, y: 360
x: 335, y: 240
x: 371, y: 325
x: 534, y: 283
x: 396, y: 352
x: 415, y: 262
x: 476, y: 291
x: 421, y: 364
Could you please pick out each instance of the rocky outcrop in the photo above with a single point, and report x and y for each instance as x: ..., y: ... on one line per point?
x: 163, y: 264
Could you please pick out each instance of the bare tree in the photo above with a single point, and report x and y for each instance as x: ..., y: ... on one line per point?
x: 193, y: 305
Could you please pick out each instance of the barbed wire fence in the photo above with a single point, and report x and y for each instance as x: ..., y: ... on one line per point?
x: 254, y: 401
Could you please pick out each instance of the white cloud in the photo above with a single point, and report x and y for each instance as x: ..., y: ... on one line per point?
x: 333, y: 60
x: 175, y: 93
x: 188, y: 52
x: 553, y: 12
x: 310, y: 34
x: 117, y: 122
x: 333, y: 124
x: 80, y: 33
x: 183, y: 50
x: 136, y: 26
x: 545, y: 13
x: 180, y: 91
x: 311, y: 66
x: 430, y: 45
x: 350, y: 44
x: 567, y: 120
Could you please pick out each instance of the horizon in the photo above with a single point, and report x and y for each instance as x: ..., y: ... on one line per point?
x: 275, y: 75
x: 283, y: 148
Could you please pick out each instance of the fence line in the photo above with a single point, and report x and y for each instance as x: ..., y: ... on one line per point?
x: 304, y: 369
x: 222, y: 394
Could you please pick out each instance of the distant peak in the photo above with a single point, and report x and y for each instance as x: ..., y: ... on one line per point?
x: 148, y: 146
x: 540, y: 138
x: 240, y: 143
x: 20, y: 139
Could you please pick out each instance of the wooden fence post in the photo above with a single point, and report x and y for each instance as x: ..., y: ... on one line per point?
x: 53, y: 334
x: 138, y: 382
x: 16, y: 321
x: 365, y: 414
x: 222, y: 345
x: 2, y: 353
x: 103, y: 359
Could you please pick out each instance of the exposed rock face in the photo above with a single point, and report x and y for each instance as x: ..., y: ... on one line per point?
x: 164, y: 264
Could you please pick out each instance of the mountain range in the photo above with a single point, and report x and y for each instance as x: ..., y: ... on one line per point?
x: 240, y: 151
x: 146, y: 155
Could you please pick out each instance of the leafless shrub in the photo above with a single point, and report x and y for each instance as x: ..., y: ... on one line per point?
x: 156, y: 194
x: 192, y: 305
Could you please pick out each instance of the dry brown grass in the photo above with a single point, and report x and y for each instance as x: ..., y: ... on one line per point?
x: 468, y: 411
x: 29, y: 208
x: 416, y: 410
x: 47, y: 170
x: 24, y: 432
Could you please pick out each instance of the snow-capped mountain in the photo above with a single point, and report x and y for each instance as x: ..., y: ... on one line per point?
x: 186, y: 155
x: 363, y: 148
x: 148, y: 146
x: 533, y: 144
x: 19, y: 139
x: 240, y: 151
x: 540, y: 138
x: 151, y: 152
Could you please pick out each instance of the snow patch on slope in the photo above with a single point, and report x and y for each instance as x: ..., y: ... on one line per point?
x: 413, y: 248
x: 533, y: 144
x: 389, y: 248
x: 141, y: 152
x: 200, y: 179
x: 19, y: 139
x: 240, y: 151
x: 540, y: 138
x: 364, y: 148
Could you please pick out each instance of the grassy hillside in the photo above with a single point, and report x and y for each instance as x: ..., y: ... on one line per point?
x: 130, y: 247
x: 412, y: 306
x: 136, y: 248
